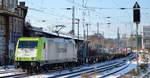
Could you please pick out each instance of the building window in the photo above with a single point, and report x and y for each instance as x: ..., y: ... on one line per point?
x: 0, y: 2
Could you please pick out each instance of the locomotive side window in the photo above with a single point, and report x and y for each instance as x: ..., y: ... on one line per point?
x: 44, y: 46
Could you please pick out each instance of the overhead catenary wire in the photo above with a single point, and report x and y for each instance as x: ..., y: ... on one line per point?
x: 42, y: 10
x: 86, y: 8
x: 90, y: 7
x: 50, y: 14
x: 99, y: 8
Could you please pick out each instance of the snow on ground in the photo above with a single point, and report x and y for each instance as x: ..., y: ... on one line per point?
x: 9, y: 67
x: 131, y: 65
x: 148, y: 68
x: 76, y: 69
x: 10, y: 70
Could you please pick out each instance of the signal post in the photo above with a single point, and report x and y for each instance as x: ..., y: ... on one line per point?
x: 136, y: 19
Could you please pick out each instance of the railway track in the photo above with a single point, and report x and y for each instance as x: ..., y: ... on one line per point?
x: 90, y: 70
x: 147, y: 75
x: 7, y: 71
x: 11, y: 73
x: 16, y: 74
x: 124, y: 67
x: 74, y: 72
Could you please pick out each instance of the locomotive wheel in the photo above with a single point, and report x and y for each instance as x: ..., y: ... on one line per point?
x: 29, y: 70
x: 36, y: 69
x: 41, y: 69
x: 45, y: 68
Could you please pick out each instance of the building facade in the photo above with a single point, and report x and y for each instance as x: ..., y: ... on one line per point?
x: 146, y: 37
x: 12, y: 21
x: 96, y: 41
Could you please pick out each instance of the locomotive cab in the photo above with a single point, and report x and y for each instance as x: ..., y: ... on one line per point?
x: 27, y: 52
x: 27, y: 49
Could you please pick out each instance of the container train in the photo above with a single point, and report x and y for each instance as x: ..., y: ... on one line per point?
x: 33, y: 54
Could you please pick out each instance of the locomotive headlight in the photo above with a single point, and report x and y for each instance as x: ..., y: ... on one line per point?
x: 17, y: 63
x: 33, y: 63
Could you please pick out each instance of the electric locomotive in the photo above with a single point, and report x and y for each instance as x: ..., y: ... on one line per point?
x: 33, y: 53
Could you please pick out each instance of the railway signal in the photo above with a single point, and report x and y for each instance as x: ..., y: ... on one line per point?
x: 136, y: 19
x: 136, y: 13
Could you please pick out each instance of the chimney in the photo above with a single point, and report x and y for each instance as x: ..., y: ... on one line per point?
x: 22, y: 3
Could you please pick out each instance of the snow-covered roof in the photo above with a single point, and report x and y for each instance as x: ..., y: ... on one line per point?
x: 58, y: 34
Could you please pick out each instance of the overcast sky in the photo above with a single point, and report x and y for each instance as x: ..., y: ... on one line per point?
x: 48, y: 13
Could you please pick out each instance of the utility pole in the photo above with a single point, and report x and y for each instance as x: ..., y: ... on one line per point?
x: 78, y: 26
x: 97, y: 28
x: 126, y: 40
x: 83, y: 24
x: 103, y: 41
x: 73, y: 20
x: 87, y: 49
x: 87, y: 25
x: 83, y: 14
x: 118, y: 35
x: 137, y: 35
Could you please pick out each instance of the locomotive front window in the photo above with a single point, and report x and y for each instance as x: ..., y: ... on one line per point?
x: 27, y: 44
